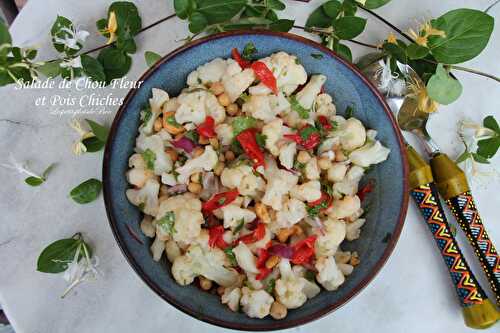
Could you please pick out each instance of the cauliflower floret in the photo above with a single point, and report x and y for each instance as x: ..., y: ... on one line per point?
x: 345, y: 207
x: 208, y: 262
x: 147, y: 226
x: 156, y: 102
x: 371, y: 153
x: 207, y: 73
x: 273, y: 132
x: 157, y: 248
x: 289, y: 73
x: 195, y: 105
x: 292, y: 212
x: 329, y: 275
x: 328, y: 242
x: 236, y: 83
x: 354, y: 229
x: 337, y: 172
x: 168, y: 179
x: 324, y: 105
x: 328, y: 145
x: 279, y: 183
x: 287, y: 154
x: 266, y: 107
x: 234, y: 214
x: 310, y: 191
x: 242, y: 178
x: 155, y: 144
x: 231, y: 297
x: 205, y: 161
x: 349, y: 185
x: 172, y: 250
x: 147, y: 196
x: 353, y: 134
x: 289, y: 287
x: 224, y: 134
x: 307, y: 95
x: 245, y: 258
x: 139, y: 174
x: 256, y: 303
x: 311, y: 169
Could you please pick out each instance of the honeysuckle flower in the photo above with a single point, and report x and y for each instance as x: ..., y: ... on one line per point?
x: 21, y: 167
x: 389, y: 83
x: 111, y: 28
x: 425, y: 31
x: 391, y: 38
x: 82, y: 268
x: 73, y: 39
x: 75, y: 62
x: 362, y: 2
x: 78, y: 147
x: 418, y: 90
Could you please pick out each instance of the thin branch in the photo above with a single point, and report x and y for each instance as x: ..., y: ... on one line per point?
x: 316, y: 30
x: 468, y: 70
x: 399, y: 31
x: 491, y: 6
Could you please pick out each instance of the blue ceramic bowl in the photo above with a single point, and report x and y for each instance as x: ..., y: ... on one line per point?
x: 388, y: 201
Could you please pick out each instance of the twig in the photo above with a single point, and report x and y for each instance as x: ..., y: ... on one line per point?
x: 399, y: 31
x: 468, y: 70
x: 491, y: 6
x: 306, y: 29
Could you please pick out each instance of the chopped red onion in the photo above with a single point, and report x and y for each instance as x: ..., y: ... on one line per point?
x: 211, y: 185
x: 176, y: 189
x: 281, y: 250
x: 184, y: 143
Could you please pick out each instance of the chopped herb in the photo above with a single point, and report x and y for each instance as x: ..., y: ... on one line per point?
x: 298, y: 166
x: 149, y: 158
x: 310, y: 275
x: 317, y: 55
x: 242, y: 99
x: 230, y: 255
x: 236, y: 147
x: 303, y: 113
x: 141, y: 206
x: 192, y: 135
x: 261, y: 139
x: 349, y: 111
x: 334, y: 124
x: 327, y: 188
x: 314, y: 211
x: 240, y: 225
x: 182, y: 158
x: 146, y: 115
x: 270, y: 286
x: 221, y: 201
x: 167, y: 222
x: 306, y: 132
x: 297, y: 61
x: 240, y: 124
x: 249, y: 51
x: 171, y: 121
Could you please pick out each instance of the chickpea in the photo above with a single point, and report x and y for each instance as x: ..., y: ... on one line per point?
x: 158, y: 125
x: 222, y: 158
x: 297, y: 230
x: 163, y: 190
x: 214, y: 142
x: 218, y: 168
x: 229, y: 155
x: 339, y: 155
x: 262, y: 213
x: 354, y: 259
x: 198, y: 151
x: 324, y: 163
x: 232, y: 109
x: 172, y: 153
x: 194, y: 187
x: 223, y: 99
x: 205, y: 284
x: 217, y: 88
x: 278, y: 310
x: 303, y: 157
x: 272, y: 261
x: 196, y: 177
x: 284, y: 233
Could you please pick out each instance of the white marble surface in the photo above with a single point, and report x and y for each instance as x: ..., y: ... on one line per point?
x: 411, y: 294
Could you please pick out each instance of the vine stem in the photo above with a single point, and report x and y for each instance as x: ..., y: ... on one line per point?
x: 314, y: 30
x: 399, y: 31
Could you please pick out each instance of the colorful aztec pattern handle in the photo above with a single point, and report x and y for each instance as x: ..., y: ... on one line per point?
x: 464, y: 210
x: 468, y: 289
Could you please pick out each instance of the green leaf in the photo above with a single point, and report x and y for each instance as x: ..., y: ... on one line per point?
x: 240, y: 124
x: 151, y: 58
x: 249, y: 51
x: 217, y: 11
x: 487, y: 148
x: 464, y: 156
x: 348, y: 27
x: 491, y: 123
x: 56, y: 257
x: 167, y: 223
x: 192, y: 135
x: 397, y: 51
x: 261, y: 139
x: 93, y: 68
x: 126, y: 45
x: 34, y: 181
x: 343, y: 51
x: 5, y: 37
x: 373, y: 4
x: 230, y: 255
x: 415, y: 51
x: 93, y: 144
x: 282, y: 25
x: 349, y: 7
x: 270, y: 286
x: 114, y: 62
x: 319, y: 19
x: 87, y: 191
x: 197, y: 22
x: 302, y: 112
x: 467, y: 34
x: 442, y: 87
x: 275, y: 4
x: 349, y: 111
x: 99, y: 131
x: 246, y: 23
x: 149, y: 158
x: 127, y: 18
x: 332, y: 8
x: 61, y: 29
x: 480, y: 159
x: 183, y: 8
x: 50, y: 69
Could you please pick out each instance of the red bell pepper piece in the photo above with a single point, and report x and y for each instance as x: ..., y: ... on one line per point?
x: 325, y: 123
x: 325, y: 200
x: 308, y: 137
x: 263, y: 273
x: 207, y: 128
x: 249, y: 144
x: 216, y: 237
x: 219, y: 200
x: 237, y: 57
x: 254, y: 236
x: 303, y: 251
x: 262, y: 257
x: 265, y: 75
x: 365, y: 190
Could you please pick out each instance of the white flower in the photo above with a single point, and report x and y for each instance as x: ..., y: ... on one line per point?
x: 73, y: 39
x: 75, y: 62
x: 80, y: 269
x: 78, y: 146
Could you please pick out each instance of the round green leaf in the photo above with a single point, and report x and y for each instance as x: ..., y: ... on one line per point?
x: 319, y: 19
x: 34, y: 181
x: 151, y: 58
x: 275, y: 4
x: 93, y: 144
x: 99, y: 131
x: 488, y: 147
x: 373, y: 4
x: 87, y: 191
x: 491, y: 123
x: 197, y: 22
x: 415, y: 51
x: 467, y: 34
x: 348, y: 27
x: 114, y: 62
x: 50, y: 69
x: 217, y: 11
x: 183, y: 8
x: 344, y: 51
x: 282, y: 25
x: 55, y: 257
x: 332, y: 8
x: 442, y: 87
x: 4, y: 34
x: 93, y: 68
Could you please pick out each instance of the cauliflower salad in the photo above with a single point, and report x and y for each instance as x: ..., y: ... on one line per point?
x: 249, y: 182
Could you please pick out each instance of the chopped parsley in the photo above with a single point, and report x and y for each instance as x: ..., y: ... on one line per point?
x: 261, y: 139
x: 303, y: 112
x: 146, y: 115
x: 141, y: 206
x: 249, y: 51
x: 309, y: 275
x: 166, y: 223
x: 171, y: 121
x: 236, y: 147
x: 317, y: 55
x: 240, y: 225
x: 230, y: 255
x: 192, y: 135
x: 306, y: 132
x: 349, y: 111
x: 149, y: 158
x: 240, y: 124
x: 221, y: 201
x: 270, y: 286
x: 298, y: 166
x: 314, y: 211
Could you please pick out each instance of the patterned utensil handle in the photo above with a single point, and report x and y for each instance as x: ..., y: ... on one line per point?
x: 468, y: 289
x: 463, y: 208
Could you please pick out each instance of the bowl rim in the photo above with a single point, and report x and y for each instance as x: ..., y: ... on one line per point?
x: 193, y: 312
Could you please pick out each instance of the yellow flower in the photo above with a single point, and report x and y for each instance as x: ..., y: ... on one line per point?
x: 430, y: 31
x: 419, y: 92
x: 78, y: 147
x: 112, y: 27
x: 425, y: 31
x: 391, y: 38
